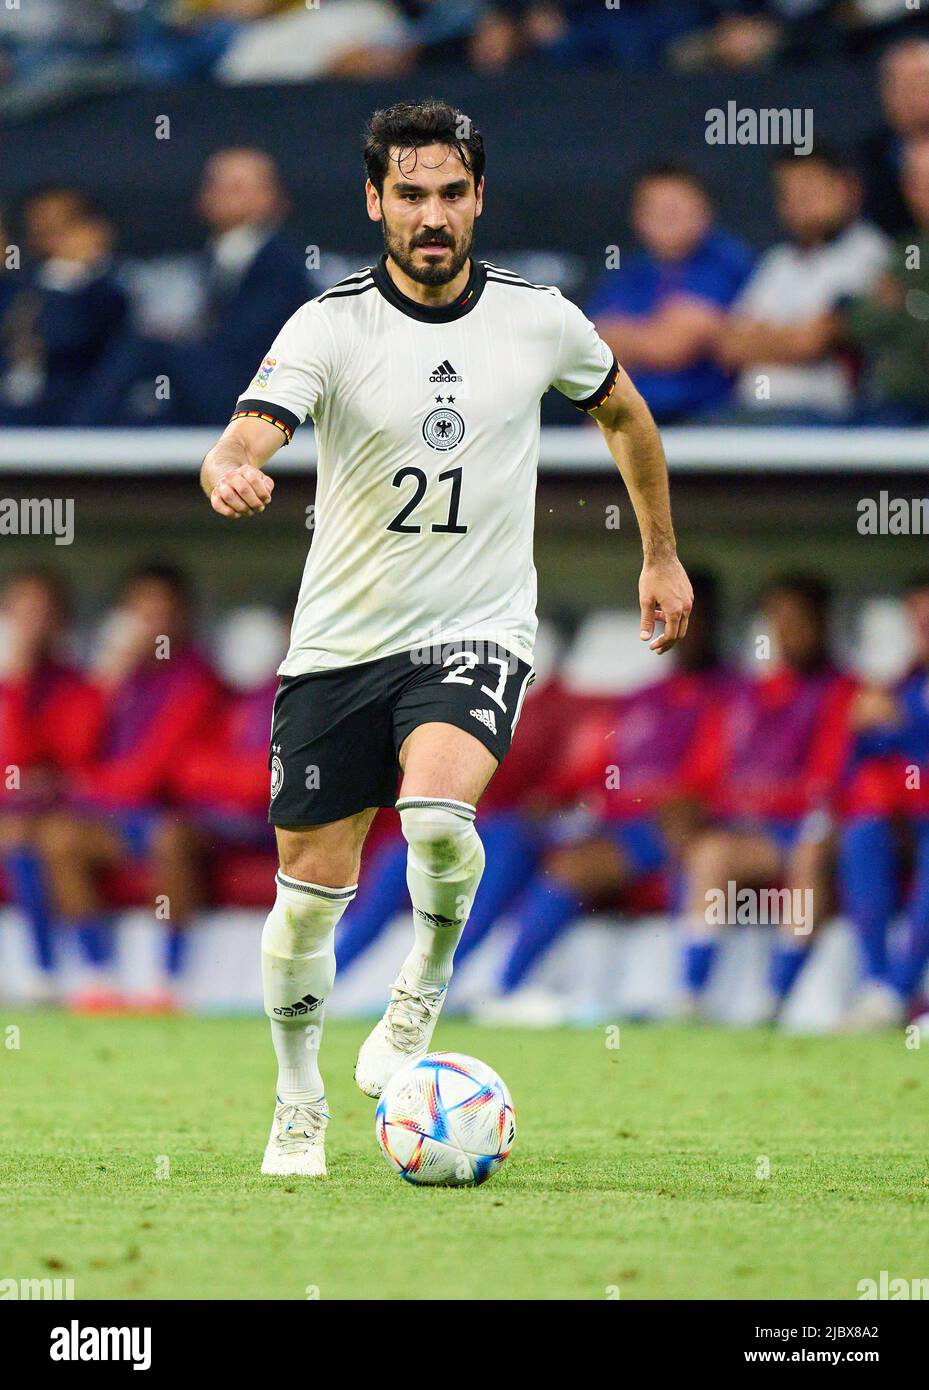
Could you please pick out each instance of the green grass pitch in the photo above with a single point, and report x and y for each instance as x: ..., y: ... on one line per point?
x: 129, y: 1155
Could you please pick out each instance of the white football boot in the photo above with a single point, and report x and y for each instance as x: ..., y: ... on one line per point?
x: 297, y: 1146
x: 877, y: 1006
x: 401, y: 1036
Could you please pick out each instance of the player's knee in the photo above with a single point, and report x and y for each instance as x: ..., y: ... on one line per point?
x: 335, y: 864
x: 303, y: 919
x: 441, y: 840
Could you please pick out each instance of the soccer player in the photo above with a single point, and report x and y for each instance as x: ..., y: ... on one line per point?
x: 412, y: 639
x: 511, y: 809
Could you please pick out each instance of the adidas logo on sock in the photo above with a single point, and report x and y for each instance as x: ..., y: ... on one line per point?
x: 436, y: 919
x: 445, y: 372
x: 305, y: 1005
x: 486, y: 716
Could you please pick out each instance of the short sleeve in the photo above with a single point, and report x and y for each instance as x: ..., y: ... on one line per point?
x: 292, y: 380
x: 585, y: 369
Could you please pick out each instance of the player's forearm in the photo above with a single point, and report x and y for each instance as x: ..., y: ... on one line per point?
x: 229, y: 453
x: 635, y: 444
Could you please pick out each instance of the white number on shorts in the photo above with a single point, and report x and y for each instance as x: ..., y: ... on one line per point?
x: 470, y: 660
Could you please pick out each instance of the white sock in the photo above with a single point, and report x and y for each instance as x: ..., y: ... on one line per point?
x: 445, y: 861
x: 298, y: 971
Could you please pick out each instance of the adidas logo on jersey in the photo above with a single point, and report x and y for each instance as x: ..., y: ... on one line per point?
x: 445, y: 372
x: 486, y: 716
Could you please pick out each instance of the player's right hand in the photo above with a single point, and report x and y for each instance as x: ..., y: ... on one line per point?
x: 243, y: 492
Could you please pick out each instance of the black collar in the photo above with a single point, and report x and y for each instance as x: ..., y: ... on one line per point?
x: 442, y: 313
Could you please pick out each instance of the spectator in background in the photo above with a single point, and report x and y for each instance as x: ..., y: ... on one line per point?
x: 891, y: 324
x: 662, y: 310
x: 254, y: 279
x: 255, y: 276
x: 220, y: 782
x: 53, y: 47
x: 294, y: 42
x: 904, y: 85
x: 782, y: 335
x: 251, y: 41
x: 575, y: 32
x: 61, y: 312
x: 627, y: 765
x: 159, y: 696
x: 771, y: 769
x: 186, y: 39
x: 891, y: 744
x: 745, y: 34
x: 49, y: 723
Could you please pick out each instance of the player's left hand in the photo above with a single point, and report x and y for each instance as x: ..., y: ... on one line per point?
x: 665, y: 596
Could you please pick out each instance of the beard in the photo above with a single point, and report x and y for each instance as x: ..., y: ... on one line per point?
x: 402, y: 254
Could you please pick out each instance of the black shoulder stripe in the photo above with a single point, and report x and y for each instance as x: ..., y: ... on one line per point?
x: 353, y: 279
x: 510, y: 274
x: 336, y: 293
x: 512, y: 277
x: 603, y: 391
x: 518, y: 284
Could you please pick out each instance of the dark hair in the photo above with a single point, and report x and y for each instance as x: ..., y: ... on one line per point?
x: 156, y: 572
x: 408, y: 126
x: 809, y: 588
x: 670, y: 169
x: 83, y: 202
x: 916, y: 583
x: 54, y: 584
x: 827, y: 156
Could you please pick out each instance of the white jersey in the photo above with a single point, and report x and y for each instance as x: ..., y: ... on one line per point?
x: 427, y: 425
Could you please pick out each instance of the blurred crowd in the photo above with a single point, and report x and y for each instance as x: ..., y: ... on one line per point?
x: 828, y: 325
x: 131, y: 774
x: 53, y: 47
x: 72, y: 352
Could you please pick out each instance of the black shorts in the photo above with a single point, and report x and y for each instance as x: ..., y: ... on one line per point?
x: 336, y: 735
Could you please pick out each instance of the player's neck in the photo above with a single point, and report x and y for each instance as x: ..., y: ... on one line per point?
x: 430, y: 296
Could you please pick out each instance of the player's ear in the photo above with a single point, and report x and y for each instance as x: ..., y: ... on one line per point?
x: 373, y: 201
x: 479, y: 197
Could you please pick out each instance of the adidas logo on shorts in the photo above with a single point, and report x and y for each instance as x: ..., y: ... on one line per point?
x: 486, y: 716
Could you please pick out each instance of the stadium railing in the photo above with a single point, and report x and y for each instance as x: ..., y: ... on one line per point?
x: 564, y: 449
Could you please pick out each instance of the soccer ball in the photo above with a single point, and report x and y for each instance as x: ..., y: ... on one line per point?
x: 445, y: 1120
